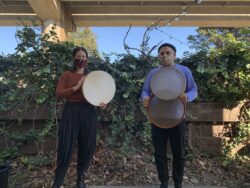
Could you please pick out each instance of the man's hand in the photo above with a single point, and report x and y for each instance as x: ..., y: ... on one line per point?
x: 183, y: 98
x: 146, y: 102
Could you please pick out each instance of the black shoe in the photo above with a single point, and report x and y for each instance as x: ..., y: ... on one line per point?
x: 177, y: 185
x: 80, y: 183
x: 164, y: 185
x: 55, y: 186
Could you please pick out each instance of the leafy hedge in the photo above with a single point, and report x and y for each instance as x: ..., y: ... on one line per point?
x: 220, y: 66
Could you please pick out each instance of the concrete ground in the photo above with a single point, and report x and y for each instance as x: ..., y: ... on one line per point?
x: 155, y: 186
x: 246, y: 185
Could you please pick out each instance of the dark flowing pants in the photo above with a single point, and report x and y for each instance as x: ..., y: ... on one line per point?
x: 176, y: 136
x: 78, y: 126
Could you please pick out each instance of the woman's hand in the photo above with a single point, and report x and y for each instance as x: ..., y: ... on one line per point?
x: 79, y: 84
x: 103, y: 105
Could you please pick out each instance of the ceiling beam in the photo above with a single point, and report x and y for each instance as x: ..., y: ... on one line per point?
x: 19, y: 20
x: 46, y: 9
x: 195, y: 15
x: 71, y: 13
x: 182, y: 1
x: 154, y: 9
x: 197, y: 21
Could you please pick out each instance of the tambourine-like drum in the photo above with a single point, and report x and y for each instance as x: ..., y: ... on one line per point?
x: 98, y: 86
x: 168, y: 83
x: 165, y: 113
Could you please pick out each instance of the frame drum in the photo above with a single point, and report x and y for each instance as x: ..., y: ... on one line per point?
x: 98, y: 86
x: 168, y: 83
x: 165, y: 113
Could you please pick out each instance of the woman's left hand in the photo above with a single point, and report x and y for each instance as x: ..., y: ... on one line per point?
x: 103, y: 105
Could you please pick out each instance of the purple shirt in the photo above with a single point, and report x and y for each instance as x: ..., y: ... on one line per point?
x: 191, y: 90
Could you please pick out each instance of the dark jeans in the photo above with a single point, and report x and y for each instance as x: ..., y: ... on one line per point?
x: 176, y: 136
x: 77, y: 127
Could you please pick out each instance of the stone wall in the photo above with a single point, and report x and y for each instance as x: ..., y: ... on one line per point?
x: 207, y: 137
x: 31, y: 147
x: 207, y: 125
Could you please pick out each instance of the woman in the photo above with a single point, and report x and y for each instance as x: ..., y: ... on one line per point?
x: 78, y: 121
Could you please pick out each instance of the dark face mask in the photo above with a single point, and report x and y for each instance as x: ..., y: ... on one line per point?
x: 80, y: 63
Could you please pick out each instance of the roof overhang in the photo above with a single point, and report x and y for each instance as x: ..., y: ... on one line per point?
x: 208, y: 13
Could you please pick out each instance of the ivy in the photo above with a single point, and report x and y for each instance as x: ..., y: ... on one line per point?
x: 221, y: 69
x: 28, y: 78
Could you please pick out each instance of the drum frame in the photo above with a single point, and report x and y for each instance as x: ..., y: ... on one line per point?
x: 84, y: 92
x: 160, y: 126
x: 173, y: 69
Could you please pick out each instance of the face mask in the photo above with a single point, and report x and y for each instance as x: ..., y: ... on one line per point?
x: 80, y: 63
x: 166, y: 60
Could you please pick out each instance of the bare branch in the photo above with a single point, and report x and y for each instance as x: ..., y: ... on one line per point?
x: 126, y: 47
x: 144, y: 49
x: 154, y: 47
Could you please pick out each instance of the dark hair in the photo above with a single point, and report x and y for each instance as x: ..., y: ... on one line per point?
x: 168, y: 45
x: 77, y: 49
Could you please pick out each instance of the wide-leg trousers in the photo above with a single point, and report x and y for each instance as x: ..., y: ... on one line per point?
x: 77, y: 127
x: 176, y: 136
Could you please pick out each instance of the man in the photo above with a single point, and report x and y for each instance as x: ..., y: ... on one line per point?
x: 176, y: 135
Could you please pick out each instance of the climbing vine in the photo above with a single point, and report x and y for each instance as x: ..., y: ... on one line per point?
x: 28, y: 78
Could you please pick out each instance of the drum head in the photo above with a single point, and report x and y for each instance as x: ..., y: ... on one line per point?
x: 165, y: 113
x: 168, y: 83
x: 98, y: 86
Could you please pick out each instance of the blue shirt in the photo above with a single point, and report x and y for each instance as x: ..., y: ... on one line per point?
x: 191, y: 90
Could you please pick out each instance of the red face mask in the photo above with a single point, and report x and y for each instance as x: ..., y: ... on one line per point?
x: 80, y: 63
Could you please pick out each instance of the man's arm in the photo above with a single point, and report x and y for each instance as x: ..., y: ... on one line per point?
x: 146, y: 91
x: 192, y: 90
